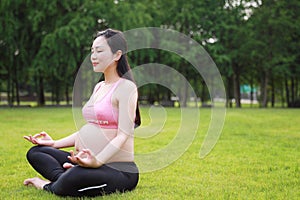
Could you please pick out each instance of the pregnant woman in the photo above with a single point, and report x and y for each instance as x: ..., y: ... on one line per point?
x: 103, y: 160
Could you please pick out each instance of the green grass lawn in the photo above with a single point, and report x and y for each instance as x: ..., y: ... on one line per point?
x: 256, y: 157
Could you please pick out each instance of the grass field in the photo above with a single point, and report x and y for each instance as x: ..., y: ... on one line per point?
x: 256, y: 157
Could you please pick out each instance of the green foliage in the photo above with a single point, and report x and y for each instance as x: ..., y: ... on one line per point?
x: 256, y: 157
x: 252, y: 42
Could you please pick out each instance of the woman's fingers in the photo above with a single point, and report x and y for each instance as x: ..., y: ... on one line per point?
x: 72, y: 157
x: 27, y: 138
x: 41, y: 138
x: 42, y: 134
x: 83, y: 158
x: 67, y: 165
x: 37, y: 135
x: 87, y: 151
x: 73, y: 160
x: 30, y: 139
x: 83, y: 161
x: 81, y: 155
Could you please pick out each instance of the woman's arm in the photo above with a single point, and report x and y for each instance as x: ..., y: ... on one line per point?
x: 126, y: 96
x: 68, y: 141
x: 112, y: 148
x: 44, y: 139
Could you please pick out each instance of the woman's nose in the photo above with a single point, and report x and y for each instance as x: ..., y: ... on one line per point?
x: 93, y: 56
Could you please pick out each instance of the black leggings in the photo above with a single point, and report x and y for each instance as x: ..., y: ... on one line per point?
x: 79, y: 181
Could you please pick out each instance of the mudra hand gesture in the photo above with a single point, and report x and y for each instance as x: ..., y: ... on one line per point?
x: 85, y: 158
x: 41, y: 138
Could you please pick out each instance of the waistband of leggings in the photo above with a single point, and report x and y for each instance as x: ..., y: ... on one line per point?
x: 128, y: 167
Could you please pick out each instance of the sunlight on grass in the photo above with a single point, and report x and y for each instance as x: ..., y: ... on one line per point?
x: 256, y: 157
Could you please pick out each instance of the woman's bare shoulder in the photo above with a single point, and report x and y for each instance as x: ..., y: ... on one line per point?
x: 125, y: 88
x: 127, y: 84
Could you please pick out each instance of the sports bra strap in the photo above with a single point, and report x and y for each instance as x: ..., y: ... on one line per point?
x: 115, y: 84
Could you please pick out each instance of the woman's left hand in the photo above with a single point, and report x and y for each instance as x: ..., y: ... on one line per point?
x: 85, y: 158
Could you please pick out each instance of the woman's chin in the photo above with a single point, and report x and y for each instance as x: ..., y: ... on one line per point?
x: 99, y: 70
x: 96, y: 70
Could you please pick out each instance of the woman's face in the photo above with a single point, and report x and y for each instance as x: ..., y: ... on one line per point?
x: 101, y: 55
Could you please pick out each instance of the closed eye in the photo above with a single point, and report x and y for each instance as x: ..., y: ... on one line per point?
x: 98, y: 49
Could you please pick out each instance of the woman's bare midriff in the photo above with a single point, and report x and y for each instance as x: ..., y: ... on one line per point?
x: 92, y: 137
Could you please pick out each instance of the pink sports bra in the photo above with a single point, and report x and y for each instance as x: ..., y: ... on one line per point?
x: 102, y: 111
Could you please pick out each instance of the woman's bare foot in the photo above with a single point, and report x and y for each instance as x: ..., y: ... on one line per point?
x: 36, y: 182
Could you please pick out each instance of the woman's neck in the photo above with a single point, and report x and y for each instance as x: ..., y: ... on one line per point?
x: 111, y: 76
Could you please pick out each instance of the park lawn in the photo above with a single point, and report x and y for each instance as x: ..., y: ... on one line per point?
x: 256, y: 157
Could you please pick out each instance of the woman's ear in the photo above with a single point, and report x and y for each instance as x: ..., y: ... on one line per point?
x: 118, y: 55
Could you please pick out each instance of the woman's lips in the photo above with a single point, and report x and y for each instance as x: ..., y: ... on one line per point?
x: 95, y: 64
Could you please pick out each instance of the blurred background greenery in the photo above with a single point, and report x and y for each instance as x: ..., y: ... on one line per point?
x: 254, y: 43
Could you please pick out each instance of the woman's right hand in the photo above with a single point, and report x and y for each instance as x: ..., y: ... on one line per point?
x: 41, y: 138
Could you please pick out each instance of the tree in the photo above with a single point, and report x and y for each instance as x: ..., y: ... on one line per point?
x: 279, y: 55
x: 252, y: 42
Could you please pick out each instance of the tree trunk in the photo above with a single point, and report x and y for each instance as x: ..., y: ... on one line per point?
x: 292, y: 90
x: 67, y: 93
x: 12, y: 92
x: 184, y: 88
x: 16, y: 83
x: 287, y: 91
x: 251, y: 91
x: 272, y: 92
x: 297, y: 88
x: 236, y: 85
x: 229, y: 95
x: 282, y: 94
x: 77, y: 97
x: 184, y: 95
x: 9, y: 98
x: 41, y: 95
x: 57, y: 92
x: 203, y: 93
x: 52, y: 95
x: 17, y: 92
x: 264, y: 88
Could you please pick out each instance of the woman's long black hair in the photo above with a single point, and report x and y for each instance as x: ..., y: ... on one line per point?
x: 116, y: 41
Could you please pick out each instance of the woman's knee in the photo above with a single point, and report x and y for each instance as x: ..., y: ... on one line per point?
x: 34, y: 151
x: 31, y: 151
x: 56, y: 189
x: 66, y: 185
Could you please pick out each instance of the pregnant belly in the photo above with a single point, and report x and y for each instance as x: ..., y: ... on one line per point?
x: 93, y: 137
